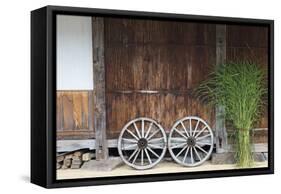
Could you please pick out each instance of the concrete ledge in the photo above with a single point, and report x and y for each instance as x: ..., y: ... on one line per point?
x: 102, y: 165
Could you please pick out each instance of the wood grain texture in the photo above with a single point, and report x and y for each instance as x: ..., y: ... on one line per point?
x: 99, y: 110
x: 164, y: 108
x: 165, y: 59
x: 220, y: 129
x: 73, y: 115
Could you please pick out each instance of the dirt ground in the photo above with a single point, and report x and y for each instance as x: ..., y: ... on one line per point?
x: 162, y: 167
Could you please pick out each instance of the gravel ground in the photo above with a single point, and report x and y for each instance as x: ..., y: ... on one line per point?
x: 162, y: 167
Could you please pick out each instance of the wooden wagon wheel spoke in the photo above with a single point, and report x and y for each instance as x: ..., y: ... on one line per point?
x: 132, y: 155
x: 201, y: 131
x: 195, y: 129
x: 180, y: 133
x: 149, y: 149
x: 203, y: 137
x: 146, y: 145
x: 191, y: 155
x: 202, y: 149
x: 155, y: 140
x: 154, y: 133
x: 132, y: 134
x: 130, y: 140
x: 185, y: 155
x: 149, y: 129
x: 147, y: 155
x: 137, y: 130
x: 197, y: 154
x: 190, y: 126
x: 142, y: 157
x: 135, y: 158
x: 185, y: 130
x: 185, y: 147
x: 196, y: 140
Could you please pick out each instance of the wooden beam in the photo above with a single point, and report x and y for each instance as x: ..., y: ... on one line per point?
x: 99, y: 89
x: 220, y: 130
x: 72, y: 145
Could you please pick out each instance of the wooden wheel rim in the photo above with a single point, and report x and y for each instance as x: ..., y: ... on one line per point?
x: 193, y: 144
x: 145, y: 135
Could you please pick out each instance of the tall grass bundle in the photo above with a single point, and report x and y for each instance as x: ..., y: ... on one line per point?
x: 239, y: 87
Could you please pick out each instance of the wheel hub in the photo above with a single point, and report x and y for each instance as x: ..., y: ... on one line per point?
x: 142, y: 143
x: 191, y: 141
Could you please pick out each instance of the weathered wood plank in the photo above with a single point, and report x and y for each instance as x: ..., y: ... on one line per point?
x: 164, y: 108
x: 72, y: 145
x: 99, y: 88
x: 68, y: 118
x: 74, y: 114
x: 90, y: 109
x: 220, y: 129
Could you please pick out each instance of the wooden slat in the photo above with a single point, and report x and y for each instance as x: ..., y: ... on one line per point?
x: 59, y: 108
x: 99, y: 89
x: 90, y: 109
x: 68, y: 112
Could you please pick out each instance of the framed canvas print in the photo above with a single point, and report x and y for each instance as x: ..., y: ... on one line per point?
x: 124, y: 96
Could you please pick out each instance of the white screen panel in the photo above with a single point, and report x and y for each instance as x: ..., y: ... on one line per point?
x: 74, y: 53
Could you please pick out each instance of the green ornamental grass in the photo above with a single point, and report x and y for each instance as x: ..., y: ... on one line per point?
x: 239, y: 87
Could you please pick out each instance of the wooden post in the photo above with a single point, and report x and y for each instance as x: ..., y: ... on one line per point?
x: 99, y: 89
x: 221, y: 133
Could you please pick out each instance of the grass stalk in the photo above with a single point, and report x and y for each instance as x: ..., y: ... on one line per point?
x: 240, y: 87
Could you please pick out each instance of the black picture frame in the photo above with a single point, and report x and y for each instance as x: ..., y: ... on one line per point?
x: 43, y: 97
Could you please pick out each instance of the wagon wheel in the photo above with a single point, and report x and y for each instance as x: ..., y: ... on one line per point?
x: 191, y: 141
x: 142, y: 143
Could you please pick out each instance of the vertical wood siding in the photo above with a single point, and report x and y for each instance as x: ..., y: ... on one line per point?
x: 167, y: 59
x: 74, y: 115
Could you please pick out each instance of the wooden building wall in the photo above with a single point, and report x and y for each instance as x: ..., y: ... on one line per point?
x: 151, y: 68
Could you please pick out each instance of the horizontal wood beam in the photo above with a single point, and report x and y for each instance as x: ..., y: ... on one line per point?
x: 72, y: 145
x: 172, y: 91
